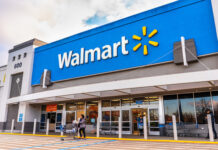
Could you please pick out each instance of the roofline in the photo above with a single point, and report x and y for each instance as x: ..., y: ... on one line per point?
x: 4, y: 66
x: 26, y: 44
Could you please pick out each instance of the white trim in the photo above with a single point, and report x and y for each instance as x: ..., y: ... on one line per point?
x: 183, y: 51
x: 192, y: 77
x: 215, y: 13
x: 44, y: 77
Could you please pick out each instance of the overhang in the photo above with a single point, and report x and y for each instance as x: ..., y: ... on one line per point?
x: 146, y: 85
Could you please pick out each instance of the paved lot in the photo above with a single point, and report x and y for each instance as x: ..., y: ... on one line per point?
x: 20, y: 142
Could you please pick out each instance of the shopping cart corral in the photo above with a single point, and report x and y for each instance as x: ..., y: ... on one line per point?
x: 187, y: 130
x: 107, y: 128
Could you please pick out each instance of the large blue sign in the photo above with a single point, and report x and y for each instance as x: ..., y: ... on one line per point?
x: 140, y: 40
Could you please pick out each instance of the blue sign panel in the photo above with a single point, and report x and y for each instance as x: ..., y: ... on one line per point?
x: 20, y: 118
x: 140, y: 40
x: 139, y: 102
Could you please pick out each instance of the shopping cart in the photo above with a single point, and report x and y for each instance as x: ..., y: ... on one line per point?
x: 71, y: 130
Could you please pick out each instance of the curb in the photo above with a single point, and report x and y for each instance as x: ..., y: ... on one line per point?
x: 122, y: 139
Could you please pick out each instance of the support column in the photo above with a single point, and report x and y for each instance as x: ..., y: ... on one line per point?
x: 161, y: 117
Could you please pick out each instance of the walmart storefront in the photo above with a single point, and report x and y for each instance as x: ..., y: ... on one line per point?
x: 157, y: 63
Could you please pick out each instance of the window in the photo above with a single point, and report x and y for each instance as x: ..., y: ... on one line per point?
x: 215, y: 104
x: 115, y: 118
x: 16, y: 85
x: 153, y: 100
x: 92, y: 112
x: 125, y: 115
x: 71, y: 107
x: 14, y: 58
x: 80, y: 109
x: 115, y: 115
x: 106, y: 115
x: 170, y: 107
x: 60, y: 107
x: 43, y: 108
x: 19, y: 56
x: 187, y: 108
x: 115, y: 102
x: 126, y: 102
x: 106, y: 103
x: 70, y: 116
x: 125, y: 120
x: 24, y: 55
x: 202, y: 102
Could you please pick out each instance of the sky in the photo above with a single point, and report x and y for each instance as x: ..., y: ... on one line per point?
x: 51, y: 20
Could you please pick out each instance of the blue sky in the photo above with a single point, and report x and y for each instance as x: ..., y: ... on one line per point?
x: 96, y: 20
x: 51, y: 20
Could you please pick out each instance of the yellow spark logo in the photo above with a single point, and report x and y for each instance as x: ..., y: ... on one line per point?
x: 144, y: 32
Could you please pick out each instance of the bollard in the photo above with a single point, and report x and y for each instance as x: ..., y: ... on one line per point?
x: 47, y: 127
x: 210, y: 130
x: 120, y: 128
x: 174, y: 128
x: 12, y: 126
x: 98, y: 127
x: 145, y: 128
x: 34, y: 126
x: 22, y: 129
x: 78, y: 135
x: 62, y: 127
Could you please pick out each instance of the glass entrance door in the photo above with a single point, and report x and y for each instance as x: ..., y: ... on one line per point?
x: 58, y: 121
x: 71, y: 116
x: 153, y: 122
x: 136, y: 114
x: 52, y: 119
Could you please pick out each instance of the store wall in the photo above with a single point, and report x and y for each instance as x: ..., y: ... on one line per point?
x: 155, y: 70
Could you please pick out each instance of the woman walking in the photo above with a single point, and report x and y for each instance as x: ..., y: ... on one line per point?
x: 82, y: 126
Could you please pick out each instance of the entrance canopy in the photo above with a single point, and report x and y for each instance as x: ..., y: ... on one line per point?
x: 146, y: 85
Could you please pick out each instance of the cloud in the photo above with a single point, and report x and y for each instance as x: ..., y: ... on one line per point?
x: 52, y: 20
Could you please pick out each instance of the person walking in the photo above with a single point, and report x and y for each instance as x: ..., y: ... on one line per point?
x: 208, y: 111
x: 82, y: 126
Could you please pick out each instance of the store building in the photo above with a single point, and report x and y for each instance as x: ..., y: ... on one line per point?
x: 157, y: 63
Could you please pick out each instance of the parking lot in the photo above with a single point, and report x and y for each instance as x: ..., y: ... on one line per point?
x: 24, y: 142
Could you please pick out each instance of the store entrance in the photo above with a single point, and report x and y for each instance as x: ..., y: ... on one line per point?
x: 136, y: 114
x: 152, y: 120
x: 52, y: 118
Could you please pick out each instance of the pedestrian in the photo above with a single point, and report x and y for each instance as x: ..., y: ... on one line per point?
x: 208, y: 111
x: 82, y: 126
x: 140, y: 125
